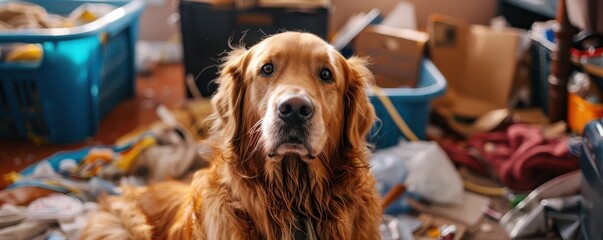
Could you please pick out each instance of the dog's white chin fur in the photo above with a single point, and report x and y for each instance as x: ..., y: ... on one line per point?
x: 291, y: 148
x: 307, y: 151
x: 312, y: 146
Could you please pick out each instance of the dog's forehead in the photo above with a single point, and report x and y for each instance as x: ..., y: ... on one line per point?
x: 288, y: 42
x: 296, y: 38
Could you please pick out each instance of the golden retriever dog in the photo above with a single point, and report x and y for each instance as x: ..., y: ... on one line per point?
x: 291, y: 158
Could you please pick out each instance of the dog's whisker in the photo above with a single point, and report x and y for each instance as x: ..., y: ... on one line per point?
x: 256, y: 128
x: 253, y: 141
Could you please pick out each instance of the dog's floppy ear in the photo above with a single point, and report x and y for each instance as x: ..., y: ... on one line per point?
x: 230, y: 94
x: 359, y: 112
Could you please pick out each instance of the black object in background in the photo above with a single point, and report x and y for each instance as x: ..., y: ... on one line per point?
x: 206, y: 30
x: 523, y: 13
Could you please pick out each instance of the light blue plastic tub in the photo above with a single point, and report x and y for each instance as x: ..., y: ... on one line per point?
x: 413, y: 104
x: 85, y: 72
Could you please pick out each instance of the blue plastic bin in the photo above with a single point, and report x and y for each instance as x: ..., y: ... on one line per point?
x: 84, y: 73
x: 413, y: 104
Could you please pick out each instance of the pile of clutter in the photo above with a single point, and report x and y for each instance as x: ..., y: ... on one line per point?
x: 52, y: 198
x: 527, y: 169
x: 495, y: 157
x: 484, y: 149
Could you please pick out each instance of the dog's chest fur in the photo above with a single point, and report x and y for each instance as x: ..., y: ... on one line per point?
x: 287, y: 199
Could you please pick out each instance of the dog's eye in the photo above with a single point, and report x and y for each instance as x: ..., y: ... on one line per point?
x: 267, y: 69
x: 326, y: 75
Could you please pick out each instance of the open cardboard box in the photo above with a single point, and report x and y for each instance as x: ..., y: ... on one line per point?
x: 393, y: 45
x: 396, y: 54
x: 480, y: 64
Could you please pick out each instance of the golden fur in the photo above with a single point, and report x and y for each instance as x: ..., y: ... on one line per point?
x: 248, y: 194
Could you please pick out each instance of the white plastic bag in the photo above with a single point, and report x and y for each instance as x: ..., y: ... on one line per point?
x: 428, y: 171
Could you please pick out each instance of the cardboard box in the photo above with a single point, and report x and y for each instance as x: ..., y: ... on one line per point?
x: 396, y: 54
x: 478, y: 62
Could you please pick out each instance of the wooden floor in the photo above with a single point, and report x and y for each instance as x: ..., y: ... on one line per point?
x: 165, y: 85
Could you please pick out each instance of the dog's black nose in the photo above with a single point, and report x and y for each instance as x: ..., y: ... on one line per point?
x: 295, y: 109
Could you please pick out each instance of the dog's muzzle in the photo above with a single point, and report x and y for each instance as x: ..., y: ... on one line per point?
x: 294, y: 122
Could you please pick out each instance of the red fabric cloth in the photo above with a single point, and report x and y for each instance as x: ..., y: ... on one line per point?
x: 522, y: 158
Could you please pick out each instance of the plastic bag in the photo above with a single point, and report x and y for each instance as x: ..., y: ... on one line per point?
x: 423, y: 166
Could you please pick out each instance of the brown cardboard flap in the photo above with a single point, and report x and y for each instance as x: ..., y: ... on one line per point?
x: 484, y: 123
x: 461, y: 105
x: 396, y: 54
x: 472, y: 107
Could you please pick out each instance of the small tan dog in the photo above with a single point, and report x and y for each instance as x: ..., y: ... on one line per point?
x: 291, y: 159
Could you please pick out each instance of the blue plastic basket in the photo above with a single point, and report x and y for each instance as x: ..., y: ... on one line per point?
x: 84, y: 73
x: 413, y: 104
